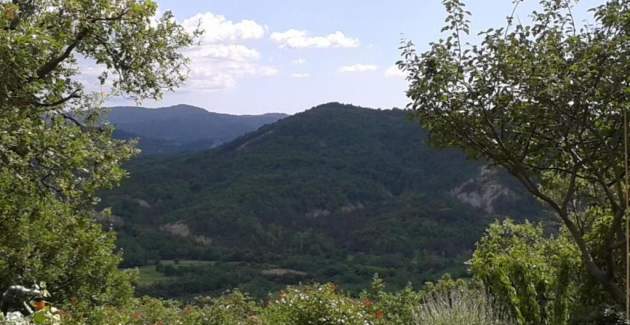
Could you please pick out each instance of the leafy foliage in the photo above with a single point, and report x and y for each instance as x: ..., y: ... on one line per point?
x: 544, y: 101
x: 391, y: 307
x: 314, y: 305
x: 53, y: 155
x: 533, y: 274
x: 444, y: 302
x: 234, y: 308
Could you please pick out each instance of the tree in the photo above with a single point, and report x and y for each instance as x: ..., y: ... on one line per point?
x: 54, y: 154
x: 545, y: 101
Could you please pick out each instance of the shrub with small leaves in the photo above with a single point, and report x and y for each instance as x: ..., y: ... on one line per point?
x: 391, y: 308
x: 315, y: 305
x: 138, y: 312
x: 234, y: 308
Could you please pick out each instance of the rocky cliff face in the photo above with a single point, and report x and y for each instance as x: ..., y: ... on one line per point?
x: 484, y: 191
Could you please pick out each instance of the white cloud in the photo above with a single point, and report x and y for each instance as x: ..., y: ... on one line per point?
x: 213, y: 73
x: 394, y: 72
x: 301, y: 39
x: 210, y: 81
x: 217, y: 29
x: 300, y: 75
x: 233, y: 52
x: 220, y: 60
x: 299, y: 61
x: 267, y: 71
x: 358, y: 68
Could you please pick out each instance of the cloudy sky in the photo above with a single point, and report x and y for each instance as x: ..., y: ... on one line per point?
x: 289, y: 55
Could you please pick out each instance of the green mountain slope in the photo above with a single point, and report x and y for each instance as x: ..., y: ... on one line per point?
x: 182, y: 128
x: 336, y: 193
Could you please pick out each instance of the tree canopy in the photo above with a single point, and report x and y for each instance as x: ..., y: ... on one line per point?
x: 54, y: 155
x: 545, y: 101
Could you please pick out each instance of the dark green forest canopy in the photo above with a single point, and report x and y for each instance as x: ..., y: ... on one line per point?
x: 338, y: 191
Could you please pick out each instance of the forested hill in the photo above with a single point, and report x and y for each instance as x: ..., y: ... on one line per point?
x: 336, y: 193
x: 182, y: 128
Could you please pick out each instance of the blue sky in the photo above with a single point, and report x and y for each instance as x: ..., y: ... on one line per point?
x: 287, y: 56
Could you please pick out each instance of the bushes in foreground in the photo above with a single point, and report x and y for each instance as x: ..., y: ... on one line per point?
x: 233, y: 308
x: 319, y: 304
x: 448, y: 302
x: 465, y: 306
x: 521, y: 276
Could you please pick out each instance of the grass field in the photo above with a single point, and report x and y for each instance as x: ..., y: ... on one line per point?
x: 149, y: 275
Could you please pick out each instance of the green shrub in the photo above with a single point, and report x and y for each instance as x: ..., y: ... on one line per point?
x: 391, y: 308
x: 536, y: 276
x: 138, y: 311
x: 448, y: 301
x: 234, y: 309
x: 314, y: 305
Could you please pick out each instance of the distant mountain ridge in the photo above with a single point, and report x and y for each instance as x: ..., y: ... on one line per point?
x: 182, y: 128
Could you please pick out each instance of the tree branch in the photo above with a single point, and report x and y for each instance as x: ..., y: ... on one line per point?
x: 592, y: 268
x: 51, y: 65
x: 73, y: 95
x: 78, y: 123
